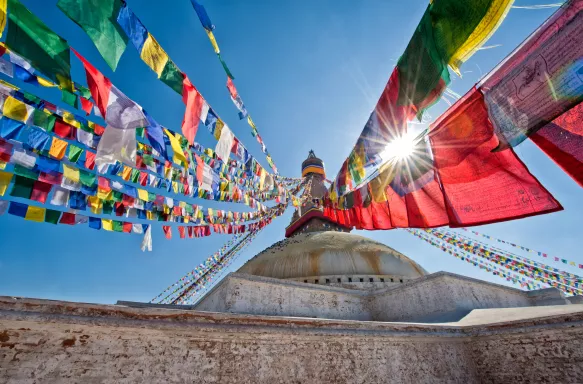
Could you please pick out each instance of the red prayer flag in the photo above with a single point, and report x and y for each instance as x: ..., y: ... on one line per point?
x: 181, y: 231
x: 86, y: 105
x: 127, y: 227
x: 167, y: 231
x: 562, y: 141
x: 63, y: 129
x: 51, y: 178
x: 193, y: 101
x: 98, y: 129
x: 99, y: 85
x: 89, y: 160
x: 67, y: 218
x: 40, y: 191
x: 143, y: 179
x: 480, y: 186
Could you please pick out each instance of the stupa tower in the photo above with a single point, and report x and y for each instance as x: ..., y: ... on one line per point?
x: 309, y: 216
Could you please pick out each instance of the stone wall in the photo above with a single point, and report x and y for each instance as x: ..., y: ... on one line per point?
x: 442, y: 297
x: 57, y: 342
x: 439, y: 297
x: 266, y: 296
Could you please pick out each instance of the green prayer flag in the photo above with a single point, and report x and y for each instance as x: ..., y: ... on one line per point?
x: 85, y: 92
x: 98, y: 18
x: 30, y: 97
x: 148, y: 159
x: 107, y: 207
x: 52, y: 216
x: 22, y: 187
x: 225, y: 67
x: 32, y: 39
x: 172, y: 77
x: 117, y: 226
x: 70, y: 98
x: 135, y: 176
x: 151, y: 196
x: 87, y: 179
x: 25, y: 172
x: 140, y: 132
x: 44, y: 120
x: 421, y: 68
x: 74, y: 153
x: 117, y: 196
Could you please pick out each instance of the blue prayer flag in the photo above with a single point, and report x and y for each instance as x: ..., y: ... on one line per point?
x: 132, y: 27
x: 10, y: 129
x: 202, y: 16
x: 95, y: 222
x: 156, y: 135
x: 37, y: 138
x: 17, y: 209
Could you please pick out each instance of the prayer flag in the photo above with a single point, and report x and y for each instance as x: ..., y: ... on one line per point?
x: 540, y: 81
x: 10, y: 129
x: 167, y: 231
x: 172, y: 77
x: 35, y: 214
x: 68, y: 218
x: 147, y: 241
x: 178, y: 153
x: 480, y: 186
x: 98, y: 18
x: 44, y: 49
x: 40, y: 191
x: 562, y: 141
x: 225, y: 144
x: 52, y: 216
x: 194, y: 102
x: 202, y: 15
x: 17, y: 209
x: 132, y: 26
x: 22, y: 187
x: 5, y: 179
x: 155, y: 135
x: 153, y: 55
x: 95, y: 223
x: 58, y: 148
x: 74, y: 153
x: 17, y: 110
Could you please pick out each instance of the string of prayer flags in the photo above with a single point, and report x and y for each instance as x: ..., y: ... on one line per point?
x: 542, y: 254
x: 44, y: 49
x: 481, y: 186
x: 540, y: 80
x: 449, y: 32
x: 98, y: 18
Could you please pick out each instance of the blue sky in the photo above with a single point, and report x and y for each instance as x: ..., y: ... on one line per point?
x: 309, y: 73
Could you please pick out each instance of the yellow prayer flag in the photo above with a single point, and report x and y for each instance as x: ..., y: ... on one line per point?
x: 178, y: 154
x: 175, y: 187
x: 58, y: 148
x: 16, y: 109
x: 219, y: 128
x: 262, y: 178
x: 143, y: 194
x: 213, y: 41
x: 5, y: 179
x: 3, y: 6
x: 2, y: 165
x: 251, y: 123
x: 69, y: 118
x: 35, y: 214
x: 95, y: 203
x: 379, y: 184
x: 107, y: 224
x: 126, y: 173
x: 71, y: 173
x: 484, y: 30
x: 150, y: 215
x: 153, y: 55
x: 45, y: 82
x: 104, y: 195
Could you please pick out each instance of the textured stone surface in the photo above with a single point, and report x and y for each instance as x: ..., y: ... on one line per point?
x: 57, y: 342
x: 439, y: 297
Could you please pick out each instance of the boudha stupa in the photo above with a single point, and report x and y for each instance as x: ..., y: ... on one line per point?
x: 321, y: 306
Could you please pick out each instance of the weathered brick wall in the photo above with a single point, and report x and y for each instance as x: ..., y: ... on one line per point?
x: 56, y: 342
x: 535, y: 353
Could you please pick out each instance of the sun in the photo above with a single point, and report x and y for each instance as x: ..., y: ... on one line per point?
x: 399, y: 148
